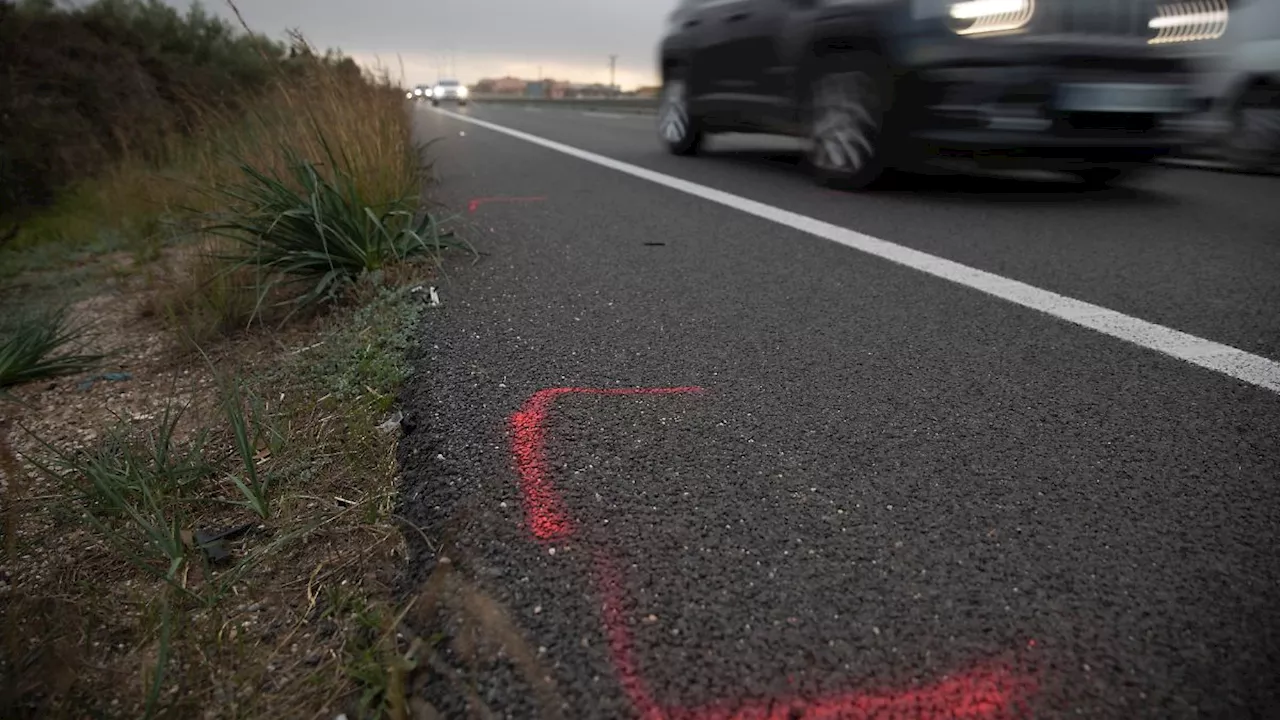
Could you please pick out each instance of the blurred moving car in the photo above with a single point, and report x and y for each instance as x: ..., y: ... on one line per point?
x: 1083, y: 86
x: 1239, y: 84
x: 420, y: 93
x: 449, y: 90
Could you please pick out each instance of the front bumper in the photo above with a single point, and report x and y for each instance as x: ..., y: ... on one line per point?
x: 1105, y: 108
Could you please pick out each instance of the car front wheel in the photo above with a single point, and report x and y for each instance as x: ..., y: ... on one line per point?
x: 678, y: 128
x: 847, y: 108
x: 1254, y: 141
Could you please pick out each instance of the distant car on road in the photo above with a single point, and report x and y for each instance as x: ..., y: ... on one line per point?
x: 1088, y: 87
x: 1240, y: 86
x: 449, y: 91
x: 420, y: 93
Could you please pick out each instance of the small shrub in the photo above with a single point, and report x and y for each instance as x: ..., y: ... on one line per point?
x: 317, y: 230
x: 38, y: 346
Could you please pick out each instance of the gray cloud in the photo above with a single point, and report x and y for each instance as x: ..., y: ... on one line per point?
x: 483, y: 37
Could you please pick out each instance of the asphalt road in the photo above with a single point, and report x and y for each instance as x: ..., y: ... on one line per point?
x: 700, y: 464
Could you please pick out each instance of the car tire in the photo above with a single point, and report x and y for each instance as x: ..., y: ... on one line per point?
x: 679, y: 129
x: 435, y: 103
x: 1253, y: 143
x: 848, y: 103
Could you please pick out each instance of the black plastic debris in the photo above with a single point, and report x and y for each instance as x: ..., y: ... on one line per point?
x: 214, y: 543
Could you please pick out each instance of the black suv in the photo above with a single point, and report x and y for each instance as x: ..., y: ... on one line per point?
x: 1083, y: 86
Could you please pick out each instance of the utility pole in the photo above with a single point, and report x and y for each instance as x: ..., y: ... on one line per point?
x: 613, y: 73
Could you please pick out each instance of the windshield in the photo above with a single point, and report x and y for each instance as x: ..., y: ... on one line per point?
x: 448, y: 83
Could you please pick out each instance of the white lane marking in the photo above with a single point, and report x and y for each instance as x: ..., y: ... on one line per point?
x: 611, y: 116
x: 1229, y: 361
x: 530, y: 108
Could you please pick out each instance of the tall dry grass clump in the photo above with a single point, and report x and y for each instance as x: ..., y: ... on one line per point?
x: 313, y: 190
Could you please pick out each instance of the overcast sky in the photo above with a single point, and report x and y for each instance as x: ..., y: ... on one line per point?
x: 569, y: 39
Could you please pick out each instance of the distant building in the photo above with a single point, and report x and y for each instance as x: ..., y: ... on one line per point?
x: 552, y: 89
x: 509, y: 86
x: 592, y: 90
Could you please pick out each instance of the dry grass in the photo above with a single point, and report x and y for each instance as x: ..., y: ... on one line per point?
x: 297, y: 623
x: 140, y: 206
x: 100, y: 618
x: 199, y: 298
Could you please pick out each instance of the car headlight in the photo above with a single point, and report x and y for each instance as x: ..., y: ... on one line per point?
x: 409, y: 95
x: 463, y: 91
x: 977, y: 17
x: 417, y: 91
x: 1190, y: 21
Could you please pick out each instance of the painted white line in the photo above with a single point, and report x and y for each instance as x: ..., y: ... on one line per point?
x: 611, y: 116
x: 1229, y: 361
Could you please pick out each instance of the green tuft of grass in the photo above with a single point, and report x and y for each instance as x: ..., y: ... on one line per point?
x: 136, y: 491
x: 39, y: 346
x: 311, y: 225
x: 251, y: 430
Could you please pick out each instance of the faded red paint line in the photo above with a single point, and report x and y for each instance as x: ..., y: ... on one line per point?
x: 545, y: 512
x: 985, y: 692
x: 988, y: 692
x: 475, y: 203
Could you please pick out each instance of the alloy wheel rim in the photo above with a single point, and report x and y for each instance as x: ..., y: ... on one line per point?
x: 673, y: 122
x: 846, y: 121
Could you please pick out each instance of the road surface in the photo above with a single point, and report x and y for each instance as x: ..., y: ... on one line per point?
x: 717, y: 443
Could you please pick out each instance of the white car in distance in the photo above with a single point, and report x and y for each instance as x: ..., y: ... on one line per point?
x: 449, y: 91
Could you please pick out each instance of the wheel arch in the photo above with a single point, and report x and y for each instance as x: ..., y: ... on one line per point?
x: 845, y: 49
x: 1248, y: 83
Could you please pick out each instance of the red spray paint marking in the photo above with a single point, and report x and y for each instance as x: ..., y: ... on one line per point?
x: 547, y: 518
x: 621, y: 649
x: 475, y: 203
x: 983, y: 693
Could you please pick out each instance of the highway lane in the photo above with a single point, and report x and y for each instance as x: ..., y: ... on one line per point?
x: 869, y: 490
x: 1194, y: 250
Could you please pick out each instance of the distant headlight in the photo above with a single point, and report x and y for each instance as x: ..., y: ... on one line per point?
x: 409, y: 95
x: 463, y: 91
x: 980, y: 17
x: 417, y: 91
x: 1189, y: 22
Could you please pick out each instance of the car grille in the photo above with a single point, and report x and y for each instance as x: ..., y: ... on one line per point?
x: 1098, y: 18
